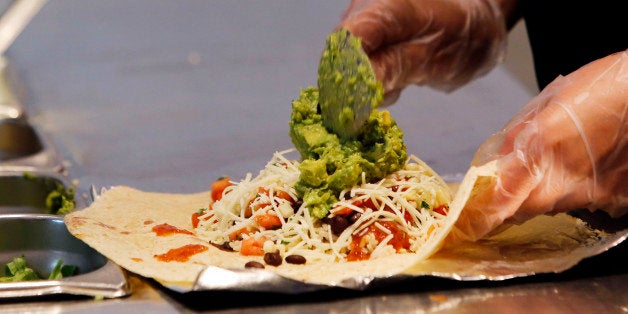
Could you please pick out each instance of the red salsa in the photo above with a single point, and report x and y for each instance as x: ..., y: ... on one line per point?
x: 358, y: 250
x: 181, y: 254
x: 166, y: 230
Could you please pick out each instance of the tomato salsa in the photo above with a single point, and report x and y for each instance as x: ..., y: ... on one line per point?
x: 167, y: 230
x: 181, y: 254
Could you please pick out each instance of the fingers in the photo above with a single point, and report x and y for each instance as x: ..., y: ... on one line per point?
x: 441, y: 44
x: 422, y: 62
x: 400, y: 65
x: 402, y: 39
x: 497, y: 199
x: 586, y: 128
x: 381, y: 23
x: 566, y: 149
x: 391, y: 97
x: 502, y: 143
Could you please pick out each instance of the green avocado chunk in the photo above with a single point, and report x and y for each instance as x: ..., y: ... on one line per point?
x: 330, y: 163
x: 60, y: 200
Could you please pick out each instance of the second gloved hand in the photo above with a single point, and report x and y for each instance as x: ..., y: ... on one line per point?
x: 566, y: 149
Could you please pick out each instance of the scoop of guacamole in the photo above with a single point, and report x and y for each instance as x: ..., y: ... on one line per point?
x: 330, y: 163
x: 347, y: 85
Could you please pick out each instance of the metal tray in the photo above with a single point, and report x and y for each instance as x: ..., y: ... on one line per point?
x: 24, y: 148
x: 43, y: 240
x: 29, y: 170
x: 18, y: 139
x: 25, y: 192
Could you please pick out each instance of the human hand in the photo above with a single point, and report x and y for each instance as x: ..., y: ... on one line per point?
x: 442, y: 44
x: 566, y: 149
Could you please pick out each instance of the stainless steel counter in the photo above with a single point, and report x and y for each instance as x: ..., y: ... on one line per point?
x: 170, y: 95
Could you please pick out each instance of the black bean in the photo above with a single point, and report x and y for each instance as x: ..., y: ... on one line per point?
x: 253, y: 264
x: 338, y: 224
x: 354, y: 217
x: 273, y: 259
x: 295, y: 259
x: 224, y: 246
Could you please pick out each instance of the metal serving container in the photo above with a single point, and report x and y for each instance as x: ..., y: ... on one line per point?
x: 29, y: 171
x: 43, y: 240
x: 22, y: 148
x: 26, y: 192
x: 18, y: 140
x: 27, y: 229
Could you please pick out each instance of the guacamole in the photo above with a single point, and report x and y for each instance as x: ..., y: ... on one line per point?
x: 60, y: 200
x: 331, y: 163
x: 347, y: 85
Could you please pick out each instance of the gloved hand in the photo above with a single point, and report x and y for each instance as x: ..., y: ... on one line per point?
x: 566, y: 149
x: 442, y: 44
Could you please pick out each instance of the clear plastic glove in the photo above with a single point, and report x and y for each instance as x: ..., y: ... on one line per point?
x: 564, y: 150
x: 442, y: 44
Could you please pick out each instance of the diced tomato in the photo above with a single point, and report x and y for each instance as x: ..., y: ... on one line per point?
x: 250, y: 208
x: 218, y: 187
x: 281, y: 194
x: 195, y: 219
x: 248, y: 211
x: 443, y: 209
x: 236, y: 234
x: 407, y: 216
x: 397, y: 188
x: 268, y: 221
x: 342, y: 211
x: 346, y: 211
x: 368, y: 203
x: 253, y: 246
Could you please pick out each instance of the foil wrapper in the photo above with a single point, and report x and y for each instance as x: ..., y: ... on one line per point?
x: 545, y: 244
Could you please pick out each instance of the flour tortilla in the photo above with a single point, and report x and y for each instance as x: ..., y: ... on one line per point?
x: 118, y: 225
x: 478, y: 180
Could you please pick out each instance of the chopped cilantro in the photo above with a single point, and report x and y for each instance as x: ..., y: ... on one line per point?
x: 425, y: 205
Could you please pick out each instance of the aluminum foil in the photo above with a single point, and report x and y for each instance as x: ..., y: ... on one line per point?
x: 545, y: 244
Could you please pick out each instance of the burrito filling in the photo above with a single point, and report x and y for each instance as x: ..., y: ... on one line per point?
x: 263, y: 215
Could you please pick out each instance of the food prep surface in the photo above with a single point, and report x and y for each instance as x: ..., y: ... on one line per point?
x: 169, y: 96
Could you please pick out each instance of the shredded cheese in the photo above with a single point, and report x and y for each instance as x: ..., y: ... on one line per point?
x: 395, y: 199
